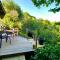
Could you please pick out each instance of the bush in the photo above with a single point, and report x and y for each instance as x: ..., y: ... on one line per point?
x: 50, y: 37
x: 50, y: 52
x: 22, y: 34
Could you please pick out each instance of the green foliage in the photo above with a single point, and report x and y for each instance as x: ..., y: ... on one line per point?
x: 10, y: 5
x: 46, y: 3
x: 48, y: 31
x: 49, y: 36
x: 49, y: 52
x: 22, y: 34
x: 39, y: 27
x: 13, y: 14
x: 29, y: 23
x: 2, y: 10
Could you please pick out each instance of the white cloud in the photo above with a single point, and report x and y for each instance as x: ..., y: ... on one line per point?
x: 54, y: 17
x: 50, y: 16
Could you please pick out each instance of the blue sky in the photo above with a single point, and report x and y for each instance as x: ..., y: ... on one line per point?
x: 28, y: 6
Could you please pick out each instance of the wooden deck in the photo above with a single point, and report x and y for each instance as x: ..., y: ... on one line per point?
x: 18, y: 45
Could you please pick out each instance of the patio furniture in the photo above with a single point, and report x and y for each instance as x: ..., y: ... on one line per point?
x: 13, y: 32
x: 9, y: 35
x: 4, y: 35
x: 10, y: 32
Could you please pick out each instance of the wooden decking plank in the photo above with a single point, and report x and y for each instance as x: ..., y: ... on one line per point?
x: 18, y: 45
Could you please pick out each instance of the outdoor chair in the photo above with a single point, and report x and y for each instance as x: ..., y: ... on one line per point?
x: 9, y: 35
x: 4, y: 35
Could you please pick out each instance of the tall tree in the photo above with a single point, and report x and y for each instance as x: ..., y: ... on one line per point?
x: 13, y: 13
x: 9, y: 5
x: 29, y: 23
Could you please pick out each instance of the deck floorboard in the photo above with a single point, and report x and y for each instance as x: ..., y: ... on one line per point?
x: 18, y: 45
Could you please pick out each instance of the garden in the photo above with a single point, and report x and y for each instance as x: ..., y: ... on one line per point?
x: 39, y: 28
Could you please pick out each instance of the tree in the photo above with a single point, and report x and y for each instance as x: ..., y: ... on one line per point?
x: 48, y: 32
x: 9, y: 5
x: 2, y: 11
x: 13, y: 14
x: 29, y: 22
x: 39, y: 3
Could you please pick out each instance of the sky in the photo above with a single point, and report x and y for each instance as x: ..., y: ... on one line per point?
x: 28, y: 6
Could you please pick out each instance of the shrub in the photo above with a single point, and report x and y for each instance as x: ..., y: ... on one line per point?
x: 50, y: 52
x: 50, y: 37
x: 22, y: 34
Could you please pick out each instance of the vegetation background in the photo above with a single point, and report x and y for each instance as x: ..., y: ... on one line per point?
x: 50, y: 31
